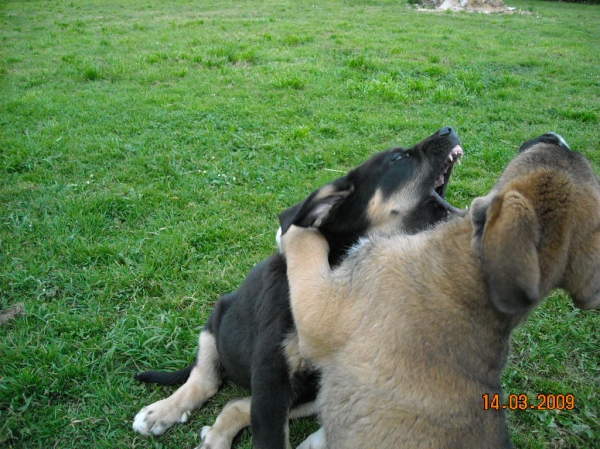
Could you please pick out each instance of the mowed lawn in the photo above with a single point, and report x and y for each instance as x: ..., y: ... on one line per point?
x: 147, y: 147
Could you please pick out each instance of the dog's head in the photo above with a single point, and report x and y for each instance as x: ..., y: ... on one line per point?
x: 539, y: 228
x: 398, y: 189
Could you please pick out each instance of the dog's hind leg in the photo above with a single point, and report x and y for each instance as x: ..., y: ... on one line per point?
x: 232, y: 419
x: 235, y: 416
x: 315, y: 440
x: 203, y: 382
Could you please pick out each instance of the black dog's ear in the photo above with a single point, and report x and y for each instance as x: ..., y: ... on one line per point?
x: 505, y: 236
x: 286, y: 218
x: 313, y: 211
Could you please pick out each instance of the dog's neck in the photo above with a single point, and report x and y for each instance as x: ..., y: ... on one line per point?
x: 339, y: 245
x: 492, y: 329
x: 452, y: 241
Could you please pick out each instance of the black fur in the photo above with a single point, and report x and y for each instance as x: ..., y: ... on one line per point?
x: 251, y: 324
x: 549, y: 138
x: 165, y: 377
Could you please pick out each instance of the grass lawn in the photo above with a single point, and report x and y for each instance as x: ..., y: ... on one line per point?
x: 146, y: 148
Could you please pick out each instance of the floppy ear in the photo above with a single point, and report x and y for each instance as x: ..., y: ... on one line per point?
x: 313, y: 211
x: 505, y: 236
x: 582, y: 280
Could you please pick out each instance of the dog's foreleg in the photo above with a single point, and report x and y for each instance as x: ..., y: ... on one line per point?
x: 314, y: 307
x: 203, y: 383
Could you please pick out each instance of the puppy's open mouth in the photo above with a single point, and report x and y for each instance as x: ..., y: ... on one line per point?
x: 441, y: 182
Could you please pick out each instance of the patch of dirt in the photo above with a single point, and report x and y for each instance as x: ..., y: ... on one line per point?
x: 484, y: 6
x: 12, y: 313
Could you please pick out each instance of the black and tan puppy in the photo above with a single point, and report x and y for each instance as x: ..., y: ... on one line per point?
x: 250, y: 336
x: 410, y: 331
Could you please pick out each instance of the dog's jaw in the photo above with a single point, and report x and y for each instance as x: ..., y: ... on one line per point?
x: 443, y: 179
x: 441, y: 182
x: 449, y: 207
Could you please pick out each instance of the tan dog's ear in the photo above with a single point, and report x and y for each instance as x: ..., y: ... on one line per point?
x: 582, y: 279
x: 505, y: 236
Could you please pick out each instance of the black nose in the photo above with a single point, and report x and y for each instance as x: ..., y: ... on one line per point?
x: 446, y: 130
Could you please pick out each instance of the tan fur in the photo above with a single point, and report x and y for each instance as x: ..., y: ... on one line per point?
x: 232, y: 419
x: 410, y: 331
x: 296, y: 362
x: 325, y: 191
x: 385, y: 215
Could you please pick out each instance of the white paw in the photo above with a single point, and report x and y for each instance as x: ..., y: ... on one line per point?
x: 315, y: 440
x: 212, y: 439
x: 204, y: 432
x: 157, y: 418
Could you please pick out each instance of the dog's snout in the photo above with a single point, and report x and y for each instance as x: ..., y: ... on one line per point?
x: 446, y: 130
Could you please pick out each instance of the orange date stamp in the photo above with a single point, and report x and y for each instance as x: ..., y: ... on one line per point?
x: 522, y: 402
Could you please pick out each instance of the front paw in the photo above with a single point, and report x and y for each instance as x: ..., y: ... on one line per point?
x: 157, y: 418
x: 315, y: 440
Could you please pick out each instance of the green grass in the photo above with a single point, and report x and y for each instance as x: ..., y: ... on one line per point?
x: 146, y: 149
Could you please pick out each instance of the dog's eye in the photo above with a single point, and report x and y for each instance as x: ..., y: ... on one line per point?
x: 398, y: 156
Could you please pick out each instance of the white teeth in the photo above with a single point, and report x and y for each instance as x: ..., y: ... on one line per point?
x: 450, y: 157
